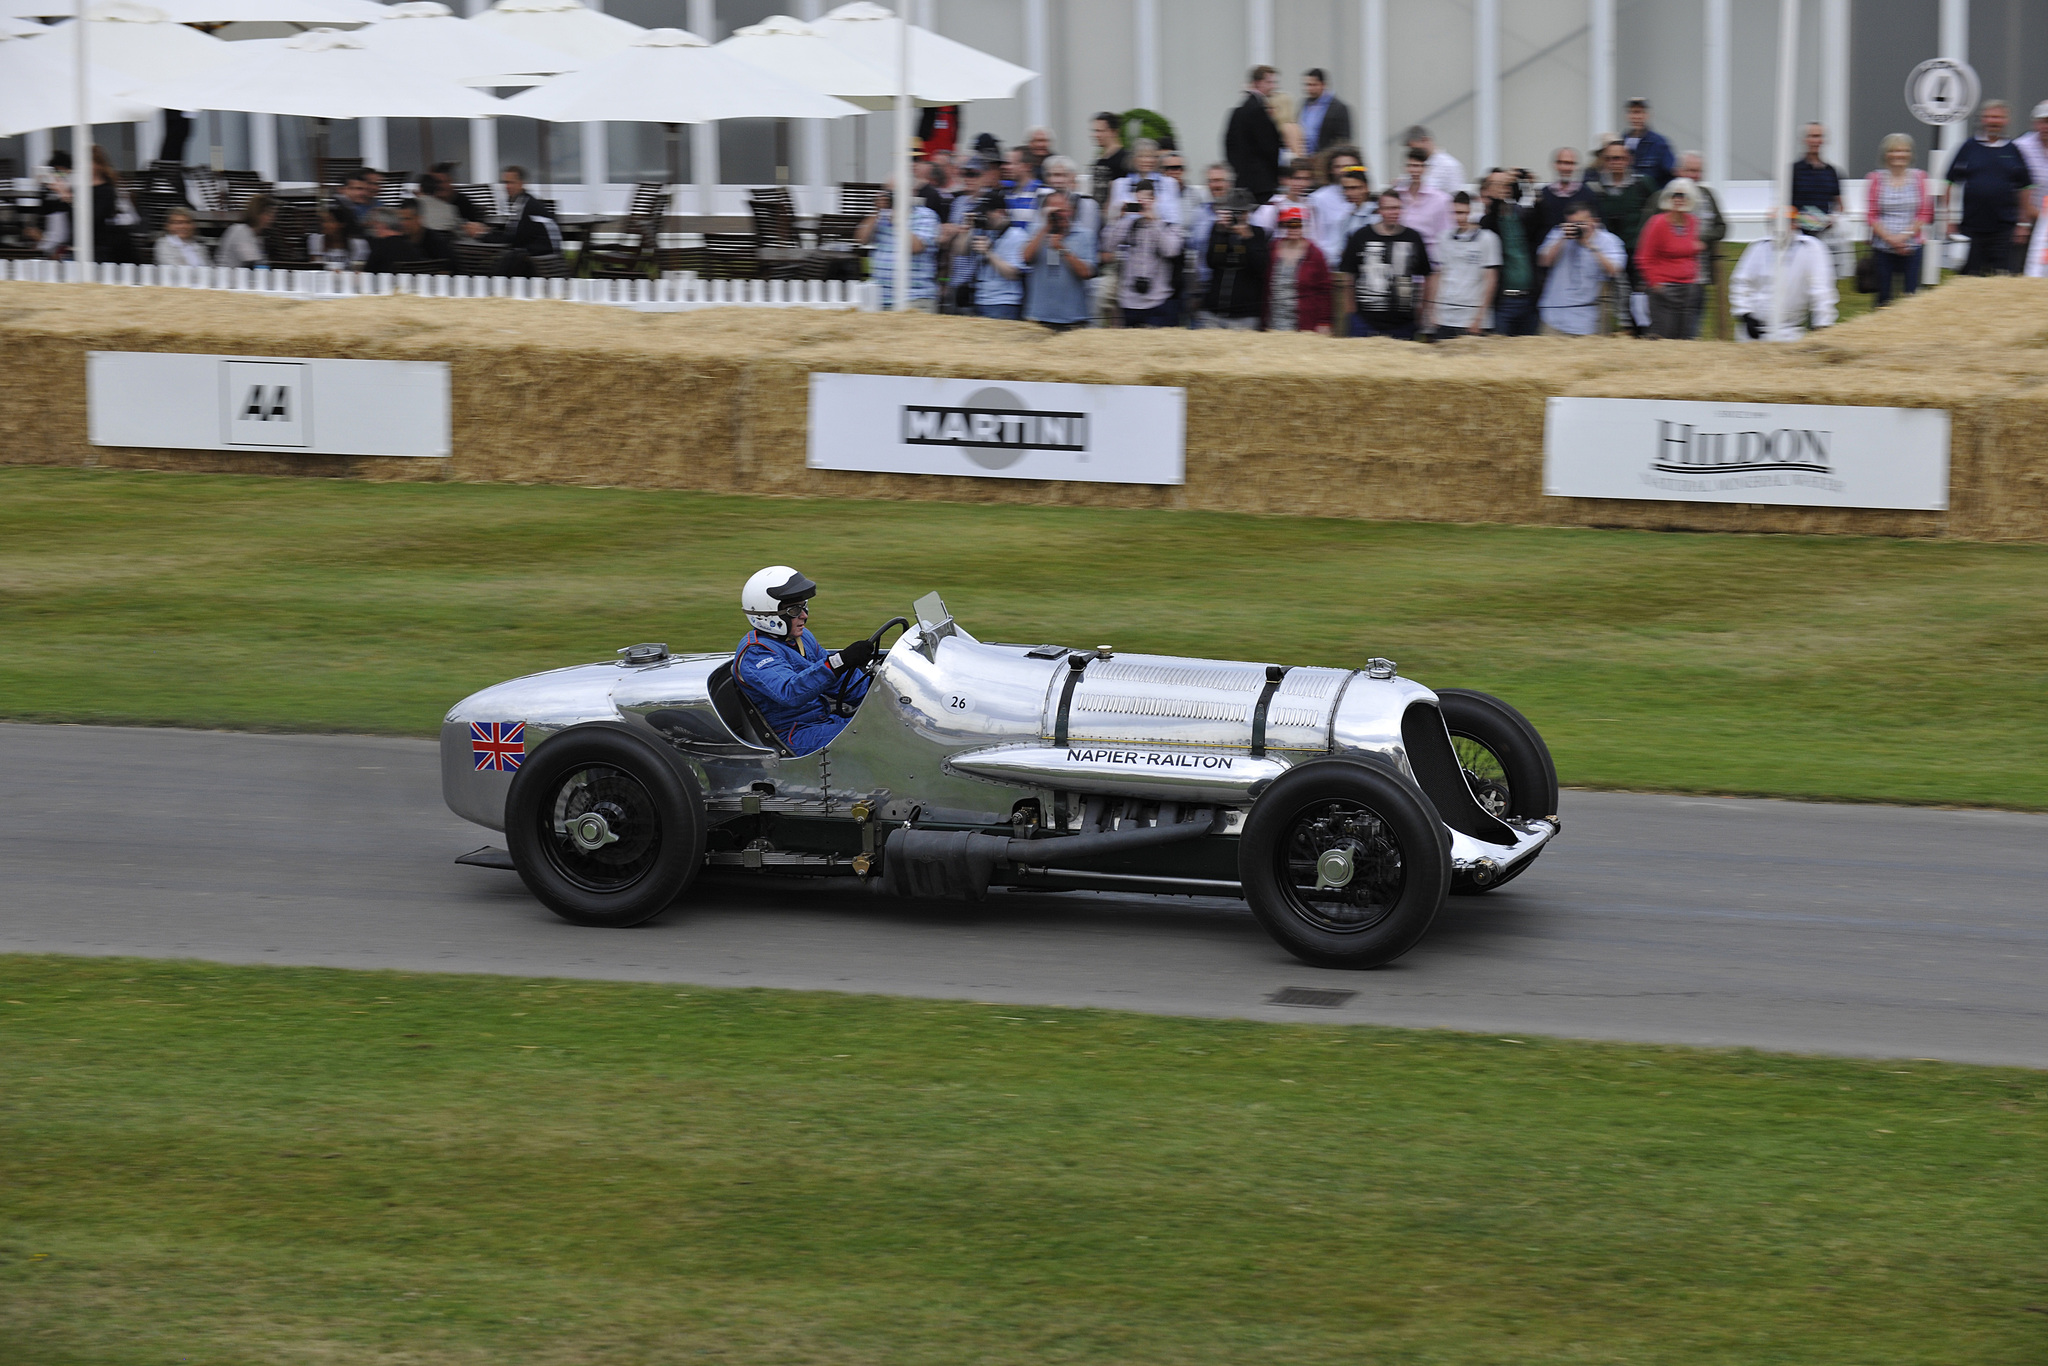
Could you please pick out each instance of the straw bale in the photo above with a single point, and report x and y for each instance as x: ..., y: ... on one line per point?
x: 716, y: 400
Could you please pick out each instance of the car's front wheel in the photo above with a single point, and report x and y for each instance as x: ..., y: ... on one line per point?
x: 1345, y: 862
x: 1506, y: 764
x: 603, y: 831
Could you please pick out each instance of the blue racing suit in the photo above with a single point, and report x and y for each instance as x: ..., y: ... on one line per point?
x: 792, y: 684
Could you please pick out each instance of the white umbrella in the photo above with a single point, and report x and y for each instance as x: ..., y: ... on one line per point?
x: 322, y: 74
x: 671, y: 77
x: 216, y: 11
x: 37, y: 93
x: 927, y: 69
x: 567, y: 26
x: 137, y: 42
x: 795, y: 51
x: 472, y: 54
x: 941, y: 70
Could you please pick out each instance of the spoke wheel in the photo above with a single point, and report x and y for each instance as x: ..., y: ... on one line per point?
x: 1345, y: 862
x: 602, y: 829
x: 1342, y: 867
x: 1506, y: 764
x: 603, y: 832
x: 1485, y: 774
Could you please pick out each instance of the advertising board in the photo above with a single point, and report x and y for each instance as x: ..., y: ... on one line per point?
x: 1786, y: 454
x: 998, y: 429
x: 267, y: 403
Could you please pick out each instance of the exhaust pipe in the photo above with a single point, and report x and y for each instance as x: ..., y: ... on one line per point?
x: 957, y: 865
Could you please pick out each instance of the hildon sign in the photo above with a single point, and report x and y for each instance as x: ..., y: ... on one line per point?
x: 1790, y: 454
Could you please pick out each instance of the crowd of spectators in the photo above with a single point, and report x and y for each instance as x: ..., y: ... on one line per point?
x: 1289, y: 232
x: 355, y: 229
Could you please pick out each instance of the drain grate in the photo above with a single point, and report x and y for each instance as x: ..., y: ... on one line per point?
x: 1317, y: 998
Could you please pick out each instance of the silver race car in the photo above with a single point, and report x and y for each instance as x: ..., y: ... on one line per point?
x: 1343, y: 805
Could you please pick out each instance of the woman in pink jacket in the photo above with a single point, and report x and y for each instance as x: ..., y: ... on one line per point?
x: 1899, y: 209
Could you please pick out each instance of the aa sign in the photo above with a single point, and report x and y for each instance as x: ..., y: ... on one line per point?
x: 262, y: 403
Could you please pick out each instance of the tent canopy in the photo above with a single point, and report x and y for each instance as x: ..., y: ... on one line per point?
x: 38, y: 93
x: 941, y: 70
x: 798, y: 52
x: 670, y: 76
x: 323, y: 74
x: 471, y: 54
x: 566, y: 26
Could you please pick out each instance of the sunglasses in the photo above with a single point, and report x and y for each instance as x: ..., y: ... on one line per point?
x: 1174, y: 166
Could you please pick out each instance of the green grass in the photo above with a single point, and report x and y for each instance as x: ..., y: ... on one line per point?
x: 261, y: 1165
x: 1819, y: 667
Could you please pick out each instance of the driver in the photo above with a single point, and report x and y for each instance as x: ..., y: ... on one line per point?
x: 798, y: 687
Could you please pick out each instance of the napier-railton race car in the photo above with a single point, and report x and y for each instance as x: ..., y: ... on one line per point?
x: 1343, y: 805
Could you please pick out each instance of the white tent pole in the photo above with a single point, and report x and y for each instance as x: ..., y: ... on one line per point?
x: 263, y: 146
x: 1486, y: 84
x: 1954, y: 44
x: 1599, y: 69
x: 817, y: 171
x: 1718, y: 85
x: 704, y: 165
x: 1372, y: 65
x: 81, y: 157
x: 1037, y: 47
x: 1781, y: 184
x: 1834, y: 79
x: 903, y: 196
x: 1146, y: 19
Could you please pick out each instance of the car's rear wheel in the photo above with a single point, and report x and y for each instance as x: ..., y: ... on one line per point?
x: 1506, y: 764
x: 1345, y: 862
x: 603, y: 831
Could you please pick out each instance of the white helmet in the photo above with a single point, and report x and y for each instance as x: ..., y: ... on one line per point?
x: 772, y: 596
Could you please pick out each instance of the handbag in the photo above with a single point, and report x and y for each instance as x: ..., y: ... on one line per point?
x: 1866, y: 272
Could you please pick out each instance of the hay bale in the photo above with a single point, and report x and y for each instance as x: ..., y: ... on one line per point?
x: 1287, y: 424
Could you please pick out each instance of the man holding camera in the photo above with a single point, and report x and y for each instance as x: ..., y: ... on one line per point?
x: 1237, y: 259
x: 1580, y: 257
x: 1061, y: 258
x: 995, y: 253
x: 878, y: 232
x: 1149, y: 250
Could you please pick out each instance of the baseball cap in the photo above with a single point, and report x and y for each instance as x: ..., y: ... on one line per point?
x: 2041, y: 110
x: 1290, y: 217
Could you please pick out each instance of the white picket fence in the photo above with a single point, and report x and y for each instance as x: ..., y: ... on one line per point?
x: 673, y: 295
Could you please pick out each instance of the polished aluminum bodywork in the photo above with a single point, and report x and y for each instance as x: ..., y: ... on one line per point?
x: 966, y: 732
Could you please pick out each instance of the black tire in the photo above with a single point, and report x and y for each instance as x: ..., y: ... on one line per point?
x: 1400, y: 852
x: 1506, y: 763
x: 647, y: 842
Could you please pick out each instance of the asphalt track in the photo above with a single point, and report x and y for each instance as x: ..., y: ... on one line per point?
x: 1860, y: 930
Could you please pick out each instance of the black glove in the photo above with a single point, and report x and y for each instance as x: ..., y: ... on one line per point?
x: 856, y: 655
x: 1756, y: 329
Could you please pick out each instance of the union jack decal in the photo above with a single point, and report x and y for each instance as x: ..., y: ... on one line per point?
x: 497, y: 745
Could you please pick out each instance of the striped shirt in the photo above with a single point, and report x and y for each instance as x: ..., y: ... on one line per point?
x: 924, y: 226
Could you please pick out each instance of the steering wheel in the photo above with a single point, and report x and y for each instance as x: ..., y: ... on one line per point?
x: 840, y: 706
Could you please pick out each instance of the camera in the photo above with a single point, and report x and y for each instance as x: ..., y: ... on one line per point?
x: 1575, y: 231
x: 977, y: 221
x: 1058, y: 220
x: 1141, y: 286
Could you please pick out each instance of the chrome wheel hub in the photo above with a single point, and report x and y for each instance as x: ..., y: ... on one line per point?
x: 591, y: 832
x: 1333, y: 869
